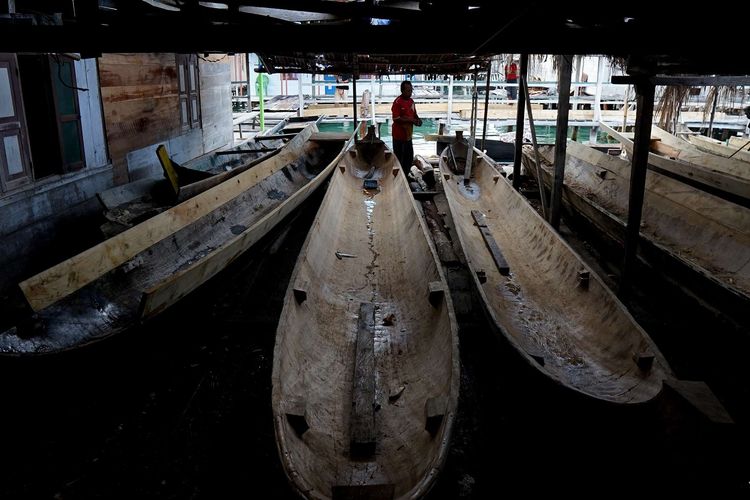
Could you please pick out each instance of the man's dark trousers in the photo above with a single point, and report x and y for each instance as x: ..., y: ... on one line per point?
x: 404, y: 151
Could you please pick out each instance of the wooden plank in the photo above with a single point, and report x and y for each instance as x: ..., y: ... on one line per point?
x: 172, y: 289
x: 362, y: 423
x: 330, y: 136
x: 124, y: 75
x: 134, y: 92
x: 489, y: 240
x: 63, y: 279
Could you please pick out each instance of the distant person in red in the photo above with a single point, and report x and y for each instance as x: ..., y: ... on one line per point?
x: 511, y: 76
x: 404, y: 118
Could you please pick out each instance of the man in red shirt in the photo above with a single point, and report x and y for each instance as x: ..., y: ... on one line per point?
x: 511, y: 76
x: 404, y: 118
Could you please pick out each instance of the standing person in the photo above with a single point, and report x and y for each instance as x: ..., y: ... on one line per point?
x: 511, y: 76
x: 341, y: 89
x: 404, y: 114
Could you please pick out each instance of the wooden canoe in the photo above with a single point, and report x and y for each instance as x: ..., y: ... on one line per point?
x: 700, y: 233
x: 366, y: 368
x: 725, y: 177
x: 130, y: 204
x: 548, y: 304
x: 715, y: 147
x: 144, y: 270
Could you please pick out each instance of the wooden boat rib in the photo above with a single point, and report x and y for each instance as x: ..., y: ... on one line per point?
x: 543, y: 299
x: 703, y: 233
x: 728, y: 178
x: 712, y: 146
x: 147, y: 268
x: 366, y: 367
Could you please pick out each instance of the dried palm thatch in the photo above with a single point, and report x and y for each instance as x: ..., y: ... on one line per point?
x: 670, y: 103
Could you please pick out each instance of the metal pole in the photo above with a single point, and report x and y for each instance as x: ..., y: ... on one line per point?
x: 597, y: 99
x: 354, y: 99
x: 522, y: 98
x: 643, y: 116
x: 372, y: 102
x: 473, y: 139
x: 450, y: 100
x: 486, y: 105
x: 540, y: 179
x: 262, y: 104
x: 625, y: 112
x: 301, y: 97
x: 561, y: 138
x: 249, y: 83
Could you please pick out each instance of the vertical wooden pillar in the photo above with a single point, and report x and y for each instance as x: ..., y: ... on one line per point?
x: 643, y: 116
x: 249, y: 83
x: 561, y: 137
x: 520, y: 123
x: 300, y: 96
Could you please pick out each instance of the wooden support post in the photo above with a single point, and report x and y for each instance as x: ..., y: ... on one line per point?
x: 625, y: 106
x: 597, y: 100
x: 713, y: 115
x: 561, y: 137
x: 261, y: 103
x: 372, y: 104
x: 643, y: 116
x: 300, y: 96
x: 362, y: 426
x: 436, y: 293
x: 522, y: 97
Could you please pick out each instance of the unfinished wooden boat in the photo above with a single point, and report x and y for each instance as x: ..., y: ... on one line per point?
x: 144, y: 270
x: 366, y: 367
x: 669, y: 155
x: 543, y: 298
x: 709, y: 145
x: 130, y: 204
x: 685, y: 228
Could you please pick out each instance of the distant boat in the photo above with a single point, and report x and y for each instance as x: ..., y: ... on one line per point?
x: 669, y: 155
x: 542, y: 298
x: 713, y: 146
x: 130, y: 204
x: 366, y: 367
x: 142, y: 271
x: 685, y: 232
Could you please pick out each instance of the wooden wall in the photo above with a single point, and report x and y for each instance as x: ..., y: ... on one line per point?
x: 140, y: 100
x: 141, y: 109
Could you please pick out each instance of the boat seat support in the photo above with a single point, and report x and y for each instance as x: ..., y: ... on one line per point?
x: 437, y: 292
x: 435, y: 409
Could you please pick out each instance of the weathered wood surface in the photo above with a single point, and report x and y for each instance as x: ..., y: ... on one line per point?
x: 389, y: 262
x: 719, y: 174
x: 147, y: 268
x: 362, y: 424
x: 713, y: 146
x: 705, y: 234
x: 582, y: 338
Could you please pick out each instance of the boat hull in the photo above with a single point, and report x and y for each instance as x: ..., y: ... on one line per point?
x: 142, y: 271
x: 368, y: 250
x: 548, y: 304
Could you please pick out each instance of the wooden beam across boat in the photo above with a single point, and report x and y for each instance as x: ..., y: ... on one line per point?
x: 373, y: 347
x: 720, y: 176
x: 551, y: 307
